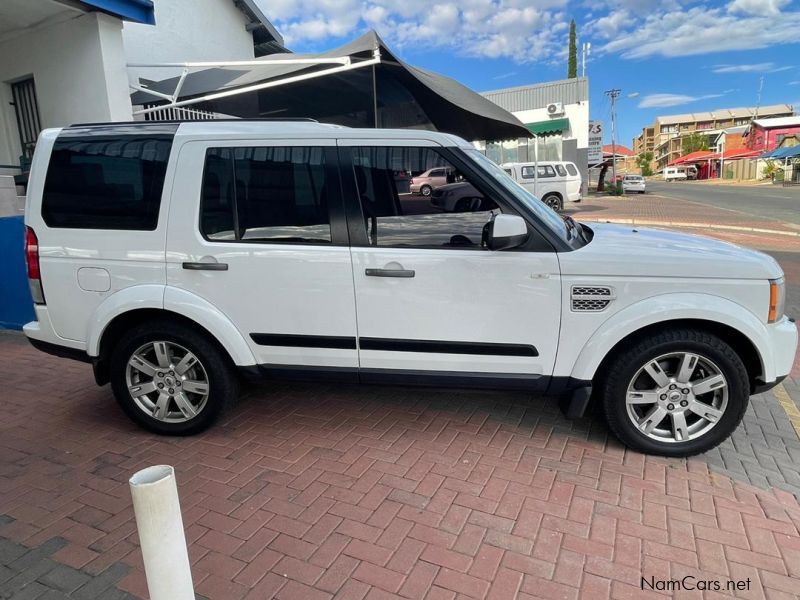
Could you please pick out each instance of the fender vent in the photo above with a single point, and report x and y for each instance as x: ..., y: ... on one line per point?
x: 590, y: 298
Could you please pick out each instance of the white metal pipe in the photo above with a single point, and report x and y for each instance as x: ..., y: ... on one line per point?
x: 161, y: 536
x: 338, y: 60
x: 261, y: 86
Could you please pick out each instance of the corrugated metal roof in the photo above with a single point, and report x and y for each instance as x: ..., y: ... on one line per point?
x: 725, y: 113
x: 778, y: 122
x: 530, y: 97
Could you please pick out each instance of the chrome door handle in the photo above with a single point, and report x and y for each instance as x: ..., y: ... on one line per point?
x: 205, y: 266
x: 390, y: 273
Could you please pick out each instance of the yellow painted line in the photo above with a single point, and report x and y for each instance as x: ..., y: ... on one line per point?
x: 789, y: 407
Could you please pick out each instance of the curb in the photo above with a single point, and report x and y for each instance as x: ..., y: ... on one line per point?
x: 692, y: 226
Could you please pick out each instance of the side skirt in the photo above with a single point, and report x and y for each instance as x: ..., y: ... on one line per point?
x: 573, y: 393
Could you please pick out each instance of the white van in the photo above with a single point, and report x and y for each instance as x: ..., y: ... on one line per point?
x: 680, y: 173
x: 178, y: 258
x: 557, y: 181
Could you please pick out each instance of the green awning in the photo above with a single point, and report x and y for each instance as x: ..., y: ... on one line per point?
x: 549, y: 127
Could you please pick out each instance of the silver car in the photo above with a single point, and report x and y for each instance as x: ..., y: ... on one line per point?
x: 633, y: 183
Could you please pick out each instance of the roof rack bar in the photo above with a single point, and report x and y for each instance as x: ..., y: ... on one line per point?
x: 179, y: 121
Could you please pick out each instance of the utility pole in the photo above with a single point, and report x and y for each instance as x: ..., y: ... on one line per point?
x: 758, y: 99
x: 613, y: 94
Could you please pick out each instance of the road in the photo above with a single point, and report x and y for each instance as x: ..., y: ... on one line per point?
x: 767, y: 201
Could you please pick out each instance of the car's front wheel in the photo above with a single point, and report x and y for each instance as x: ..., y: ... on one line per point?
x: 171, y: 379
x: 675, y: 393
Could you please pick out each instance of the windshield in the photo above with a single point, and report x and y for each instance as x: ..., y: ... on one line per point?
x: 545, y: 214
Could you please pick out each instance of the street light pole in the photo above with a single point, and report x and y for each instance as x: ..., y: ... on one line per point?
x: 613, y: 94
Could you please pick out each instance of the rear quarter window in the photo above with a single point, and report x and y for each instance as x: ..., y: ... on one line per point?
x: 571, y: 169
x: 561, y: 170
x: 105, y: 183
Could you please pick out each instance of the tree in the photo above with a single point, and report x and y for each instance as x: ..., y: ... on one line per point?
x: 572, y: 67
x: 694, y: 142
x: 643, y: 161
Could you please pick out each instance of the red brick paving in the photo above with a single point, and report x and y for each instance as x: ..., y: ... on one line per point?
x: 363, y: 492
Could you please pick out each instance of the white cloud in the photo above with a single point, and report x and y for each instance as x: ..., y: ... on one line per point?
x: 702, y: 30
x: 794, y: 83
x: 536, y: 30
x: 755, y: 68
x: 663, y: 100
x: 757, y: 7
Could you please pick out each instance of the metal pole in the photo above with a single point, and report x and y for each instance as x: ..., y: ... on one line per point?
x: 374, y: 97
x: 536, y: 165
x: 613, y: 93
x: 161, y: 536
x: 722, y: 157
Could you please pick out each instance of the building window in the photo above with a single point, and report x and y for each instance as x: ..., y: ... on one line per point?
x: 705, y: 125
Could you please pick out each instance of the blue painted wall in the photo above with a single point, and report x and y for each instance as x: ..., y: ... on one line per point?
x: 16, y: 304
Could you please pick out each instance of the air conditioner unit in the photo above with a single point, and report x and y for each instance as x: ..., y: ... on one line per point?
x: 555, y: 109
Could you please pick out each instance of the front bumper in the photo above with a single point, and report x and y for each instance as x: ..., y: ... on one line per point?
x: 782, y: 339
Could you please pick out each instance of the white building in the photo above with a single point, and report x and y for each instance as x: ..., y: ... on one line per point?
x: 64, y: 61
x: 557, y: 113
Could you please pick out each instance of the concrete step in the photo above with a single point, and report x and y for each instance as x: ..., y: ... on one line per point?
x: 11, y: 203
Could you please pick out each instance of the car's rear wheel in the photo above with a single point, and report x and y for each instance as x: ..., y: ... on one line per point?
x: 425, y: 190
x: 171, y: 379
x: 676, y: 393
x: 554, y: 202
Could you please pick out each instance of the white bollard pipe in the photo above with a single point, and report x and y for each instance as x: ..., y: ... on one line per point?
x: 161, y: 536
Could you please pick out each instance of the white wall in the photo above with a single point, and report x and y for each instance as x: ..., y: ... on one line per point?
x: 578, y: 115
x: 187, y: 30
x: 78, y: 68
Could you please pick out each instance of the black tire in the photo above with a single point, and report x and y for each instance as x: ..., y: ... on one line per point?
x: 554, y: 202
x: 223, y: 384
x: 426, y: 190
x: 621, y: 369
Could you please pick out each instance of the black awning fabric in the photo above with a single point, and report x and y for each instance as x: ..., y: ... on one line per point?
x: 406, y: 96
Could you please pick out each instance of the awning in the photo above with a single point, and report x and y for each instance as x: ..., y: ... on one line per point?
x: 790, y: 152
x: 549, y: 127
x: 361, y: 84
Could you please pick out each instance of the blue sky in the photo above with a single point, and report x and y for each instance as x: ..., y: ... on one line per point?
x: 678, y: 55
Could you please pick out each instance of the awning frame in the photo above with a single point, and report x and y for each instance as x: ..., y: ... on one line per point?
x: 345, y: 64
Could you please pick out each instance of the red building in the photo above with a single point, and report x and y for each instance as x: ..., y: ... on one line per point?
x: 767, y: 134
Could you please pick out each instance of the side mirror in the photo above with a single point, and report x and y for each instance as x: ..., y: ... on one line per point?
x: 507, y: 231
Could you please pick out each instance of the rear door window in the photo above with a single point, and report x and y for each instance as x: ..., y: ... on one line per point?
x: 96, y: 183
x: 266, y: 194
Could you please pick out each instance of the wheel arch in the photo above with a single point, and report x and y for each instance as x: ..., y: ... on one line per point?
x: 722, y: 317
x: 740, y: 343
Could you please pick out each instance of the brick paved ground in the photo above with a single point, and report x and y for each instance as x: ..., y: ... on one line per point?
x: 363, y: 492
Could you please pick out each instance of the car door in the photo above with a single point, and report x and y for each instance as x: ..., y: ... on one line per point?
x: 431, y: 300
x: 257, y: 231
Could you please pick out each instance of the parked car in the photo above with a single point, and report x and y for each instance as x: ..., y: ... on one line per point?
x: 633, y: 183
x: 179, y: 258
x: 680, y: 173
x: 457, y: 197
x: 426, y: 182
x: 557, y: 181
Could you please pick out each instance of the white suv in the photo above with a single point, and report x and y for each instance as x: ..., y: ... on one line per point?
x: 177, y: 257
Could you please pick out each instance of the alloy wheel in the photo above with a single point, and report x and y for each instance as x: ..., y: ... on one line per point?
x: 677, y: 397
x: 167, y: 382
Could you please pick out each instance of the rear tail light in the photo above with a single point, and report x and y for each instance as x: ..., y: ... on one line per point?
x: 32, y: 263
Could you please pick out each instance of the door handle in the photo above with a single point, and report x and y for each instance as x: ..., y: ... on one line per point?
x: 390, y: 273
x: 205, y: 266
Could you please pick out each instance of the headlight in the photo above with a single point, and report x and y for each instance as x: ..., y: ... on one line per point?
x: 777, y: 299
